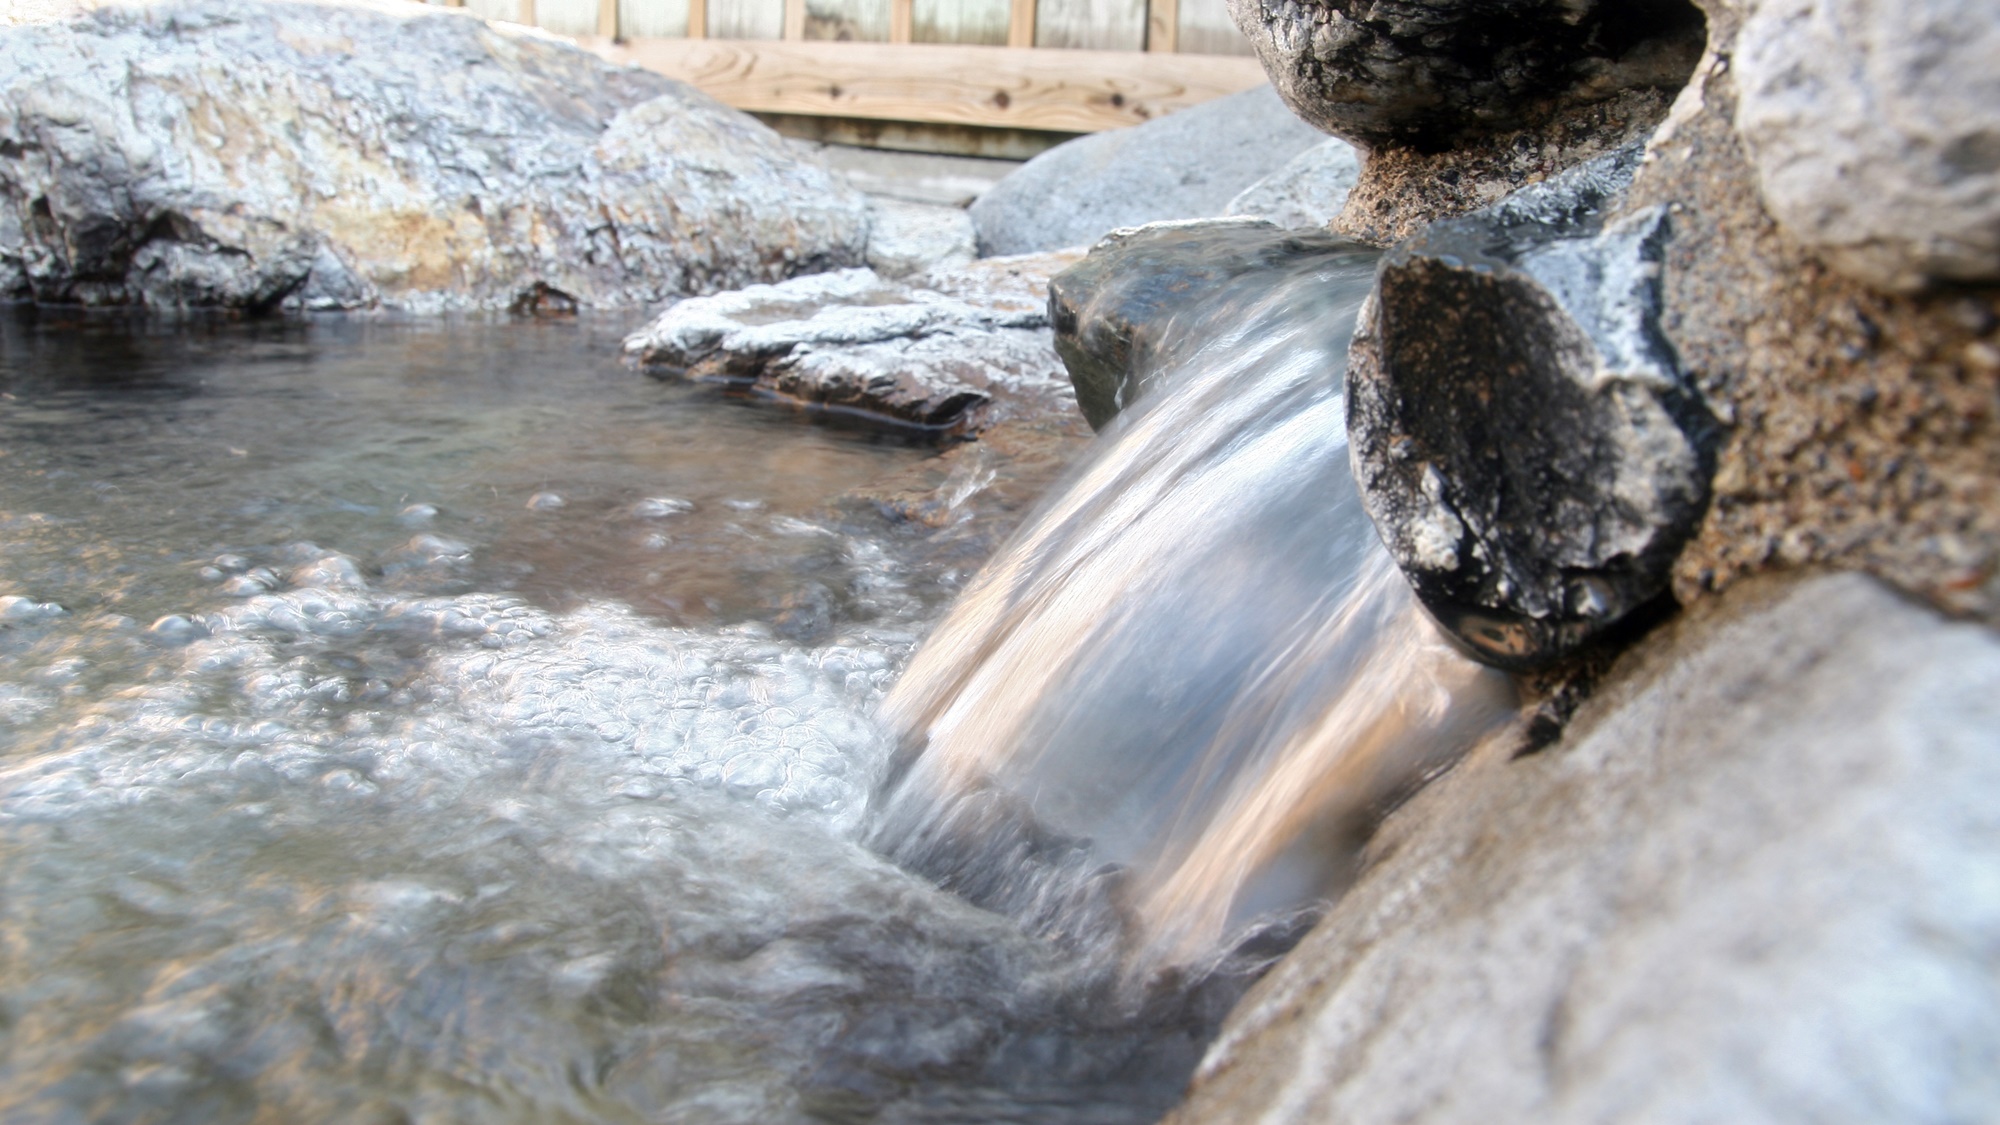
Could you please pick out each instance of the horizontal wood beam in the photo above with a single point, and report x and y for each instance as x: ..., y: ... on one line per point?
x: 1003, y: 87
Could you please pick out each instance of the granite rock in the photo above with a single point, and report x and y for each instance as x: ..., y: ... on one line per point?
x: 1874, y: 131
x: 1135, y: 291
x: 364, y: 152
x: 953, y: 349
x: 1308, y: 192
x: 1753, y: 883
x: 1188, y: 165
x: 1521, y: 433
x: 907, y: 238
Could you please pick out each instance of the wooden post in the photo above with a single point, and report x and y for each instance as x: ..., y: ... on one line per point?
x: 795, y: 20
x: 607, y: 18
x: 1021, y: 23
x: 697, y: 19
x: 527, y: 13
x: 900, y: 18
x: 1163, y: 25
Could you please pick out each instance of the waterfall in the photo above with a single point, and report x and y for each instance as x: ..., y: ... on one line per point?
x: 1178, y: 698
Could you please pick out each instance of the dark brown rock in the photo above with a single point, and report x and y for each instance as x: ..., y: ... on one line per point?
x: 1428, y: 73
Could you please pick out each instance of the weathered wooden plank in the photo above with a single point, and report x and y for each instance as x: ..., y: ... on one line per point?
x: 746, y: 19
x: 1204, y: 28
x: 1163, y: 25
x: 902, y: 15
x: 652, y: 18
x: 1005, y: 87
x: 1091, y: 25
x: 697, y: 19
x: 860, y: 21
x: 979, y: 22
x: 1021, y: 23
x: 565, y: 17
x: 607, y: 18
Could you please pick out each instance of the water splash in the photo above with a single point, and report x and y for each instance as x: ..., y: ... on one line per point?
x: 1181, y: 693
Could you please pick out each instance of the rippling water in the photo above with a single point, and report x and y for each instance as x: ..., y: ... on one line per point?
x: 436, y: 721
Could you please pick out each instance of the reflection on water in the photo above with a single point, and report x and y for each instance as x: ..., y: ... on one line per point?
x: 345, y: 780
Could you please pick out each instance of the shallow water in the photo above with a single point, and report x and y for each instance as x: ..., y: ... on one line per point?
x: 437, y: 721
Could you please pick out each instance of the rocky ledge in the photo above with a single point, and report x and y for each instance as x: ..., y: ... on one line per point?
x: 355, y: 153
x: 956, y: 350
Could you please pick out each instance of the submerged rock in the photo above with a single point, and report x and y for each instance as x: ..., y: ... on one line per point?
x: 1115, y: 308
x: 957, y: 349
x: 1426, y: 72
x: 1874, y: 131
x: 1522, y: 435
x: 361, y: 152
x: 1753, y: 884
x: 1188, y: 165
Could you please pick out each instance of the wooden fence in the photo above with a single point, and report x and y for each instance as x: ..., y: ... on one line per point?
x: 1071, y: 66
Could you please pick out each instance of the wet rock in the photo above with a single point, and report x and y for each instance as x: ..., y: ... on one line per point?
x: 1750, y: 885
x: 1874, y: 131
x: 1521, y: 432
x: 958, y: 349
x: 348, y: 154
x: 1308, y: 191
x: 1187, y: 165
x: 1428, y: 72
x: 1113, y: 310
x: 908, y: 238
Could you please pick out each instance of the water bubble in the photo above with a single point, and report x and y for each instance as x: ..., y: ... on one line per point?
x: 416, y: 515
x: 260, y: 580
x: 659, y: 507
x: 544, y: 502
x: 175, y: 630
x: 743, y: 505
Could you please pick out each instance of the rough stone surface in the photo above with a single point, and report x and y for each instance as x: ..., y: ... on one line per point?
x: 1403, y: 187
x: 1874, y: 130
x: 1755, y: 883
x: 1429, y: 72
x: 1863, y: 426
x: 907, y: 238
x: 1521, y: 433
x: 956, y: 349
x: 368, y: 152
x: 1188, y: 165
x: 1307, y: 192
x: 1113, y: 309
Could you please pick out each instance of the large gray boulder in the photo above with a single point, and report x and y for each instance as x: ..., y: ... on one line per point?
x: 1874, y: 129
x: 1427, y: 72
x: 1188, y: 165
x: 1521, y: 431
x: 1755, y: 883
x: 252, y: 153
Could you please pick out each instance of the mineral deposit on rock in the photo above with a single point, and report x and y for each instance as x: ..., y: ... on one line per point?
x: 353, y: 153
x: 958, y: 349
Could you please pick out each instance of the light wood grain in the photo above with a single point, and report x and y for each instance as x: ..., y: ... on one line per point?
x: 1007, y: 87
x: 795, y: 20
x: 697, y: 19
x: 900, y: 20
x: 1021, y: 23
x: 1163, y: 25
x: 607, y: 18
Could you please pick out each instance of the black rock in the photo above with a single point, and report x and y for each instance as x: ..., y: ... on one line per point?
x: 1521, y: 432
x: 1116, y: 309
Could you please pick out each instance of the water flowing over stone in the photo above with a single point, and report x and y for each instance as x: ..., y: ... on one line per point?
x: 1195, y: 664
x: 365, y: 152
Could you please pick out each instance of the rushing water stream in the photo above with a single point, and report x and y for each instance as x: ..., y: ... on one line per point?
x: 427, y: 721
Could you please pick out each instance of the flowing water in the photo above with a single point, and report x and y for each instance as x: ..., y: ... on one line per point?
x: 424, y: 722
x: 434, y: 721
x: 1191, y: 683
